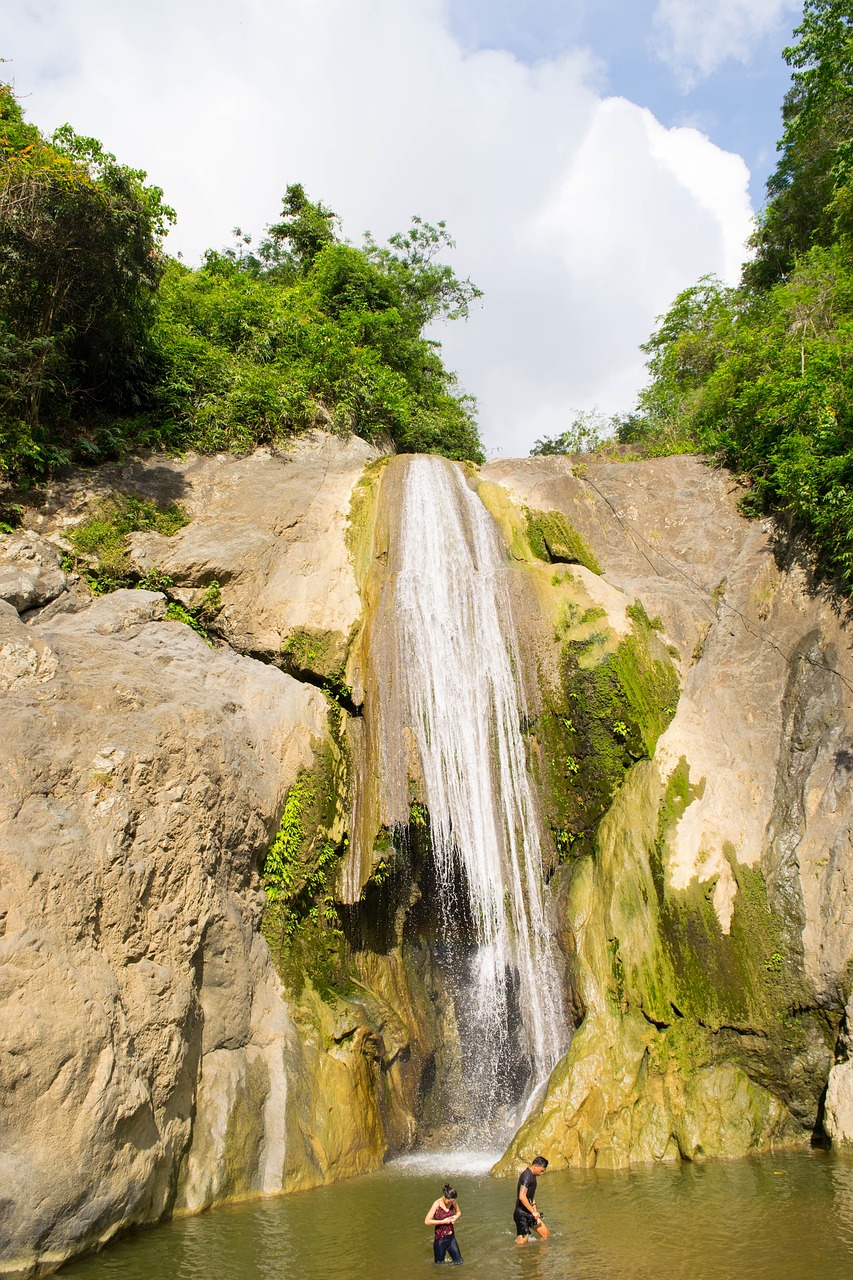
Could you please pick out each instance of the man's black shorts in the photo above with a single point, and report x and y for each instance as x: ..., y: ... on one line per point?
x: 524, y: 1222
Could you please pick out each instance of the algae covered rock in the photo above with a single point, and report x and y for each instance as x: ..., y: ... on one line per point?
x: 707, y: 910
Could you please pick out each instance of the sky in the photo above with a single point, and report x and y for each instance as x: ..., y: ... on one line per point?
x: 591, y: 157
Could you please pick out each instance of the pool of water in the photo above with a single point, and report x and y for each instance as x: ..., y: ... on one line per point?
x: 787, y: 1217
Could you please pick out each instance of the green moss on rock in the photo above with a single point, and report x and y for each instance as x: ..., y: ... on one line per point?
x: 610, y: 708
x: 362, y: 514
x: 301, y: 922
x: 554, y: 539
x: 739, y: 978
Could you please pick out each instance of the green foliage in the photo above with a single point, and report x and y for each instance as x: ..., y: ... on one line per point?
x: 418, y: 816
x: 637, y: 613
x: 155, y: 580
x: 103, y: 536
x: 253, y: 356
x: 761, y: 376
x: 304, y: 230
x: 301, y: 923
x: 80, y: 263
x: 765, y: 382
x: 282, y: 866
x: 554, y: 539
x: 811, y: 191
x: 587, y: 431
x: 319, y: 656
x: 105, y: 345
x: 198, y: 617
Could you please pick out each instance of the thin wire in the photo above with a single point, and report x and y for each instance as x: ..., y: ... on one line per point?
x: 760, y: 633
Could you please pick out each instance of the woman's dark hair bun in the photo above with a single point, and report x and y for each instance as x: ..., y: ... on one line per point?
x: 448, y: 1192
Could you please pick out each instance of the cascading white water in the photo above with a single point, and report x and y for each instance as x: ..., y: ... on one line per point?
x: 459, y: 670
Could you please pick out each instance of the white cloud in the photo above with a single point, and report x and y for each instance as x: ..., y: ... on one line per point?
x: 695, y: 37
x: 579, y: 216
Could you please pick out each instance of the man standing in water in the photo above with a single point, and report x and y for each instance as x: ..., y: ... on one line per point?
x: 527, y: 1217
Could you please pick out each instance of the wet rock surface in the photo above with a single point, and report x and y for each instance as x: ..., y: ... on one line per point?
x: 716, y: 906
x: 151, y: 1062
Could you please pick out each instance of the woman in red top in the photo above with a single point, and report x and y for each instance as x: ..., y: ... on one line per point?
x: 442, y: 1216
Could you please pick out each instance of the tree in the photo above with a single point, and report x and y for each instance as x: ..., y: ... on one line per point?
x: 305, y: 228
x: 589, y: 428
x: 810, y: 194
x: 80, y: 263
x: 313, y: 329
x: 428, y: 289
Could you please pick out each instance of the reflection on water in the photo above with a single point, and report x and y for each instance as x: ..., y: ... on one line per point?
x: 788, y: 1217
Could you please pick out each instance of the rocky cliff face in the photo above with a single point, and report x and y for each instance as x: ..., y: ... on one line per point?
x: 151, y: 1062
x: 171, y: 1038
x: 709, y: 913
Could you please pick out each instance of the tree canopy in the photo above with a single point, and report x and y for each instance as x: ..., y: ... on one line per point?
x: 80, y: 265
x: 761, y: 376
x: 108, y: 344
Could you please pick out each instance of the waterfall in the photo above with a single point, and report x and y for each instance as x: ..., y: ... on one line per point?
x: 458, y: 664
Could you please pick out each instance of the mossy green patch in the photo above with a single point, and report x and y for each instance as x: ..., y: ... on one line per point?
x: 739, y: 978
x: 613, y: 702
x: 244, y: 1135
x: 362, y: 513
x: 638, y: 614
x: 553, y: 538
x: 199, y: 617
x: 512, y: 524
x: 301, y: 923
x: 311, y: 653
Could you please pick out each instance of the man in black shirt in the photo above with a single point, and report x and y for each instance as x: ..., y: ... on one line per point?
x: 527, y: 1217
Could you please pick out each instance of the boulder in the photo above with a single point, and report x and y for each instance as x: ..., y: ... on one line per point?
x: 30, y: 570
x: 143, y: 1031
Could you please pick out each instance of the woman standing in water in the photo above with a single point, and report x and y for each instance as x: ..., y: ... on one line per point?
x: 442, y: 1216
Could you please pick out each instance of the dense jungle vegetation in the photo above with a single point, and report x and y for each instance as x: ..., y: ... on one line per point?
x: 107, y: 344
x: 762, y: 375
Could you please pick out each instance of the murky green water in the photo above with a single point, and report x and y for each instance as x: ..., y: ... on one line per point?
x: 784, y: 1218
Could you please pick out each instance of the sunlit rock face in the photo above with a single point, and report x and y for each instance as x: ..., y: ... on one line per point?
x: 712, y: 920
x: 683, y: 705
x: 150, y: 1061
x: 141, y: 774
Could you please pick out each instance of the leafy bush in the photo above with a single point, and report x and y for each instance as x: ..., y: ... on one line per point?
x: 80, y: 263
x: 254, y: 355
x: 103, y: 536
x: 106, y: 345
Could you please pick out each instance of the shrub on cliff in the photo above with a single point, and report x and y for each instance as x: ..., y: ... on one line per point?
x: 258, y: 346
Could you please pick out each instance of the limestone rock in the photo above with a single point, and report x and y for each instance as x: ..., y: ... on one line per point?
x: 838, y: 1119
x: 30, y: 570
x: 141, y: 775
x: 765, y: 716
x: 270, y: 530
x: 838, y: 1104
x: 755, y: 855
x: 25, y: 659
x: 610, y: 1105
